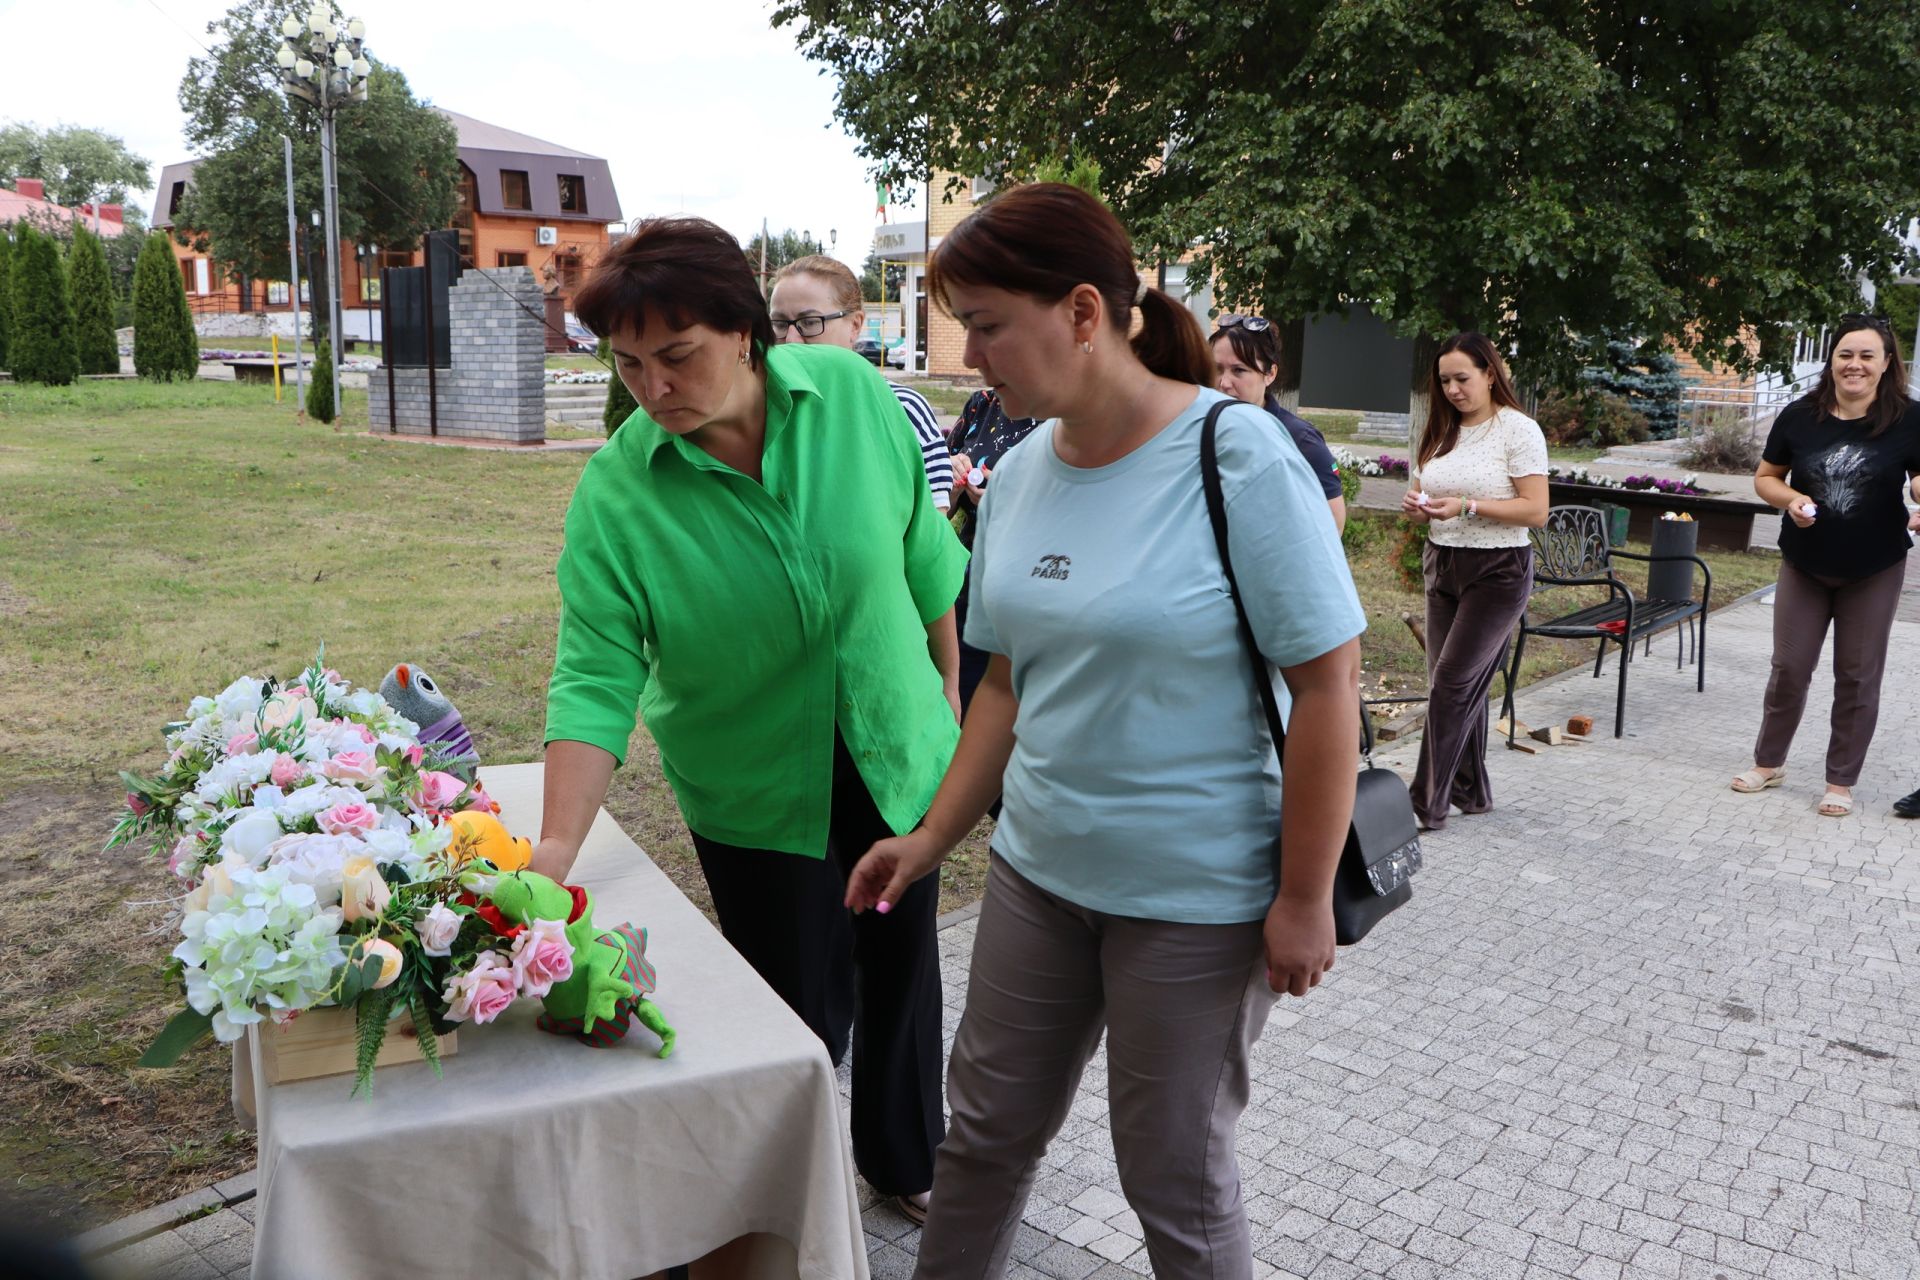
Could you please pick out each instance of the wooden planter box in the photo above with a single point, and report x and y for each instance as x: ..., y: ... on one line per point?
x: 1725, y: 523
x: 321, y: 1042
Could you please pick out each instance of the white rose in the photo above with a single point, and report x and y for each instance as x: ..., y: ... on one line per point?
x: 437, y: 929
x: 251, y: 835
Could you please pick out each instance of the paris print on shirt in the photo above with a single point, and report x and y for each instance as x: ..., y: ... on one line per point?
x: 1053, y: 567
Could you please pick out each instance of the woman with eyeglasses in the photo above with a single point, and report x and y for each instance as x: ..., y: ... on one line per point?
x: 1246, y: 350
x: 755, y: 563
x: 817, y: 300
x: 1479, y: 483
x: 1838, y: 461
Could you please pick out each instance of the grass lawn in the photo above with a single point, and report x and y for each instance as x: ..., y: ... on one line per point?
x: 160, y: 540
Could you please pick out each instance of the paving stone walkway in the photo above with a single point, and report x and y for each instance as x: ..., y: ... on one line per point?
x: 1633, y: 1025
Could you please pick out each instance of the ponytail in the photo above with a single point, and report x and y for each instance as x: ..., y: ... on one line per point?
x: 1170, y: 341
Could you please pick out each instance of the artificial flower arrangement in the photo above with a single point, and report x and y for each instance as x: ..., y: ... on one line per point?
x: 332, y: 858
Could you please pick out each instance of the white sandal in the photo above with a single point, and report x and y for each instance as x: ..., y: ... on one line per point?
x: 1758, y: 779
x: 1835, y: 805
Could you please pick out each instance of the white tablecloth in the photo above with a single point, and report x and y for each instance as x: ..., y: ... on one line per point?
x: 539, y: 1156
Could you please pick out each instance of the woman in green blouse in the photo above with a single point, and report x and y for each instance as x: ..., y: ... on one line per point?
x: 755, y: 562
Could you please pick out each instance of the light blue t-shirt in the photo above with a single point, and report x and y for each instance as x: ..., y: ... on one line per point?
x: 1142, y: 782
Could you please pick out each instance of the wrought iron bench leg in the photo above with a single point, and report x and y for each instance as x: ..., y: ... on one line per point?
x: 1620, y: 699
x: 1700, y: 653
x: 1513, y: 679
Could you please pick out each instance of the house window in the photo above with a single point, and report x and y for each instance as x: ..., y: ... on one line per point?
x: 186, y: 274
x: 514, y: 192
x: 510, y: 259
x: 982, y: 188
x: 276, y: 293
x: 573, y: 193
x: 466, y: 198
x: 173, y: 198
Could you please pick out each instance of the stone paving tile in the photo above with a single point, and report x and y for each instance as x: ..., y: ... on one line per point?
x: 1632, y: 1025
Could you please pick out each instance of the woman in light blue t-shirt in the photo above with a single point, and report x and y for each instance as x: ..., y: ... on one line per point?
x: 1132, y: 886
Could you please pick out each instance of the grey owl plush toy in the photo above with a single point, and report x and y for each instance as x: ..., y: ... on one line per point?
x: 413, y: 693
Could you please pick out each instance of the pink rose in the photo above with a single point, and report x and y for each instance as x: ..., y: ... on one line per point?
x: 415, y: 754
x: 345, y: 818
x: 542, y: 956
x: 482, y: 992
x: 350, y: 766
x: 366, y: 734
x: 298, y: 691
x: 438, y: 928
x: 136, y: 804
x: 438, y: 790
x: 289, y: 773
x: 241, y: 744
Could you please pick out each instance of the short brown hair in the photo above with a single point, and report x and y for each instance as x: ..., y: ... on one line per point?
x: 1044, y: 239
x: 687, y: 271
x: 838, y: 275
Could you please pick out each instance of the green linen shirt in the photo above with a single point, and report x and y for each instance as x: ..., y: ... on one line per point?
x: 748, y: 620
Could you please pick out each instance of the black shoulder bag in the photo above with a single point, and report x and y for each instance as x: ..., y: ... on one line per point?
x: 1383, y: 845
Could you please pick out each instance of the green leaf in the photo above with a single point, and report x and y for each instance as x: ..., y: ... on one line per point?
x: 371, y: 1032
x: 423, y: 1028
x: 181, y: 1033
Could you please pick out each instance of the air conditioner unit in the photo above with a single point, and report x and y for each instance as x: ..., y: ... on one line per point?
x: 546, y: 235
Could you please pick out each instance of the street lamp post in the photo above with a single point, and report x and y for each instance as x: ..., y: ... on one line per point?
x: 324, y: 63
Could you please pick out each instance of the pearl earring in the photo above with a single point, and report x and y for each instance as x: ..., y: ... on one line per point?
x: 1086, y: 348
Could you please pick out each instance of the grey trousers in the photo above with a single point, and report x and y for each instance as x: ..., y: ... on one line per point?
x: 1475, y: 596
x: 1181, y: 1004
x: 1861, y: 614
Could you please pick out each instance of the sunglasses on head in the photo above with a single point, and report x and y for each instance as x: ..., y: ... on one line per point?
x: 1252, y: 324
x: 1879, y: 324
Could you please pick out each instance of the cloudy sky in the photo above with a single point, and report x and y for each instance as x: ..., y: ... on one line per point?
x: 700, y: 107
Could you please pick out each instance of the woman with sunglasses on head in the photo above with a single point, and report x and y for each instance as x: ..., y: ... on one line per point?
x: 1132, y: 887
x: 754, y: 563
x: 816, y: 299
x: 1479, y: 483
x: 1246, y: 349
x: 1837, y: 462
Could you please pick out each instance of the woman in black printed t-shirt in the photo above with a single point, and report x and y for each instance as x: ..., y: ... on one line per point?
x: 1839, y: 463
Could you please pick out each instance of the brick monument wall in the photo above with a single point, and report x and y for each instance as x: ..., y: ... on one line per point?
x: 496, y: 388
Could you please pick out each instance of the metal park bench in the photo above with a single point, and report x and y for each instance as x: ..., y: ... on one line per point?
x: 1571, y: 550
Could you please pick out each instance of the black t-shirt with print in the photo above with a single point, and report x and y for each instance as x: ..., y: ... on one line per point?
x: 1857, y: 484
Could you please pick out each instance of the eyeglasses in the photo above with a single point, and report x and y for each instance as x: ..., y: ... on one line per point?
x: 1879, y: 324
x: 1252, y: 324
x: 810, y: 326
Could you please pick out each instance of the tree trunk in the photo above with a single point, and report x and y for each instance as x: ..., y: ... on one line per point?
x: 1286, y: 386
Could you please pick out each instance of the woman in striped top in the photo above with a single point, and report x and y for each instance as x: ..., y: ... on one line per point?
x: 817, y: 299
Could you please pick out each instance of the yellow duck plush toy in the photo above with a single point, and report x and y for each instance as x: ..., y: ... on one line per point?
x: 478, y: 834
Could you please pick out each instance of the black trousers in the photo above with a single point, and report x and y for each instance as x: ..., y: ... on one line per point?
x: 870, y: 978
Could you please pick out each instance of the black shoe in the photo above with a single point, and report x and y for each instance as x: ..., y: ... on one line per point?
x: 1908, y: 806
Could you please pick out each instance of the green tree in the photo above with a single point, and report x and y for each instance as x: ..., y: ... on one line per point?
x: 1900, y: 304
x: 1647, y: 378
x: 782, y: 247
x: 95, y: 345
x: 1692, y: 174
x: 320, y: 384
x: 40, y: 346
x: 620, y: 402
x: 398, y: 159
x: 875, y: 289
x: 165, y: 347
x: 78, y: 165
x: 6, y: 294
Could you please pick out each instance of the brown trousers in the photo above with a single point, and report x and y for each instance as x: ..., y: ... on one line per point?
x: 1861, y: 613
x: 1181, y: 1006
x: 1475, y: 596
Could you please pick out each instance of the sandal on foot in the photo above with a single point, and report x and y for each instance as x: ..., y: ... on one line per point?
x: 1835, y: 805
x: 1757, y: 779
x: 911, y: 1209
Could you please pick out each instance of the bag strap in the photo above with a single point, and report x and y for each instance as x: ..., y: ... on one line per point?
x: 1217, y: 516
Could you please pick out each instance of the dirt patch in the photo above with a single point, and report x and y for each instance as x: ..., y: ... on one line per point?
x: 85, y: 1136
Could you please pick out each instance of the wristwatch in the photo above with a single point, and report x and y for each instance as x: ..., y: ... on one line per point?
x: 1473, y: 506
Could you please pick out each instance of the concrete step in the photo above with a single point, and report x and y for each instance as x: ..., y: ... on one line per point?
x: 573, y: 415
x: 583, y: 393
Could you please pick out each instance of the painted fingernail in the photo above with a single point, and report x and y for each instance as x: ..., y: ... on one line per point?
x: 883, y: 906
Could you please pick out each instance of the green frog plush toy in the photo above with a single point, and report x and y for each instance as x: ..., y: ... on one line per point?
x: 611, y: 976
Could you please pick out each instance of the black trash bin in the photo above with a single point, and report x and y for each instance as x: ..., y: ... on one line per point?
x: 1672, y: 579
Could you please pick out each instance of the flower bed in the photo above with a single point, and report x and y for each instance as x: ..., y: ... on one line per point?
x: 1386, y: 465
x: 1685, y: 487
x: 578, y: 377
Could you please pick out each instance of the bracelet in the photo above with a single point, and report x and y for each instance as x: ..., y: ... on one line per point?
x: 1473, y: 507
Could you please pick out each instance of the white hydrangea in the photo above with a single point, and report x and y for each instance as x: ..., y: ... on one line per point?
x: 241, y: 700
x: 235, y: 774
x: 268, y: 944
x: 316, y: 861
